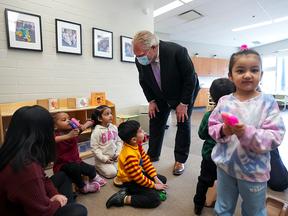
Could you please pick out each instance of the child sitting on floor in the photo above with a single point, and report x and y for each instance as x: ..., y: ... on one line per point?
x: 105, y: 142
x: 136, y: 172
x: 68, y: 159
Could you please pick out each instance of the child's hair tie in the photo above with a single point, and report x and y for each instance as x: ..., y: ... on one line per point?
x: 243, y: 47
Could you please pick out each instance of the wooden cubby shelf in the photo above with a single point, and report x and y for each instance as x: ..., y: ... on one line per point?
x: 81, y: 114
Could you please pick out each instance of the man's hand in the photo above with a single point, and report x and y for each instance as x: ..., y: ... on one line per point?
x: 181, y: 112
x: 152, y: 107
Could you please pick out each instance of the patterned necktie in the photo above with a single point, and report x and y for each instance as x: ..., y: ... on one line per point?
x: 157, y: 74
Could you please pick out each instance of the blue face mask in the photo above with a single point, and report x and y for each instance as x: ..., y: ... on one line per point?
x: 144, y: 59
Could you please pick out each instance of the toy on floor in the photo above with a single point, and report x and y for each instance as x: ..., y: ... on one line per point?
x: 162, y: 194
x: 229, y: 120
x: 276, y: 207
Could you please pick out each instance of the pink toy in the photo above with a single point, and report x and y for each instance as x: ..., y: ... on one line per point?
x: 233, y: 120
x: 229, y: 120
x: 225, y: 117
x: 75, y: 122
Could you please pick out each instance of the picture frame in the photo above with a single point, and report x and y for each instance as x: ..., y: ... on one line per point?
x: 68, y: 37
x: 102, y: 43
x: 23, y: 30
x: 127, y: 54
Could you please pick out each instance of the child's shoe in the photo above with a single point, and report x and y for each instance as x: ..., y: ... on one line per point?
x: 90, y: 187
x: 98, y: 179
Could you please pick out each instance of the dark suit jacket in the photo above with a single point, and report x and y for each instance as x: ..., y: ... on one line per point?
x: 179, y: 82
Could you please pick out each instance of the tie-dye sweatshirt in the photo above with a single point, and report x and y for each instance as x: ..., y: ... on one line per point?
x: 247, y: 157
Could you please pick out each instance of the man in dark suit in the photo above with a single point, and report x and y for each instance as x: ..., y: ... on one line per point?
x: 168, y: 79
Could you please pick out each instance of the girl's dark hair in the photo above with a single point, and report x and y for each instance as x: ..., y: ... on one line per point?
x: 243, y: 52
x: 54, y: 115
x: 98, y: 113
x: 221, y: 87
x: 29, y: 138
x: 127, y: 130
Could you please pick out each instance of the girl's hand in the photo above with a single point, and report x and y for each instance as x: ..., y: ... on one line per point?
x: 73, y: 133
x: 238, y: 129
x: 226, y: 130
x: 160, y: 186
x: 116, y: 158
x: 109, y: 161
x: 82, y: 127
x: 60, y: 198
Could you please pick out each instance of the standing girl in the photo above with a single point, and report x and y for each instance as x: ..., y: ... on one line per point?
x: 242, y: 153
x: 105, y: 142
x: 68, y: 159
x: 27, y: 149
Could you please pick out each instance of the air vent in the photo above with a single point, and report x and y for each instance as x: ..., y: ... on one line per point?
x: 190, y: 15
x: 256, y: 42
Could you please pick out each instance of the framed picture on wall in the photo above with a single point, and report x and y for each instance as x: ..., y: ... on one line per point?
x: 23, y: 30
x: 127, y: 54
x: 68, y: 37
x: 102, y: 43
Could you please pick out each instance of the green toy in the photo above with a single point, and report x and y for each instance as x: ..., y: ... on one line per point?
x: 162, y: 194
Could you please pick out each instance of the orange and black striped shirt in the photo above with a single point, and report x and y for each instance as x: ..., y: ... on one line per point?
x: 130, y: 166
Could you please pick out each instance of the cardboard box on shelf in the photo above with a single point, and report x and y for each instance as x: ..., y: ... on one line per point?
x: 49, y: 103
x: 98, y: 98
x: 77, y: 102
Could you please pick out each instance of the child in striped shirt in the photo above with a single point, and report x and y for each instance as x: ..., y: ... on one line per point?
x: 141, y: 183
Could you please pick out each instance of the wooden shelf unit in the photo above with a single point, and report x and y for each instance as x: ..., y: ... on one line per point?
x: 7, y: 110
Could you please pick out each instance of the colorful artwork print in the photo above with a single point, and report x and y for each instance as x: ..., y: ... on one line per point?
x: 25, y: 31
x: 103, y: 44
x: 69, y: 37
x: 129, y: 50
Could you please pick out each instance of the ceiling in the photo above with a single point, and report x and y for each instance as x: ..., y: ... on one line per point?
x: 219, y: 17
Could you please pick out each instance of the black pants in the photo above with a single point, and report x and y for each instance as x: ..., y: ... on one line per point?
x: 63, y: 184
x: 73, y: 209
x: 278, y: 175
x: 183, y: 134
x: 208, y: 175
x: 75, y: 169
x: 144, y: 197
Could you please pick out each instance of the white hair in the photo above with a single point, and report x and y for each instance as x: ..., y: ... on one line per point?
x: 146, y: 38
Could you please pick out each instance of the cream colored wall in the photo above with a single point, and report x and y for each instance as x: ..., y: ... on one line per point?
x: 30, y: 75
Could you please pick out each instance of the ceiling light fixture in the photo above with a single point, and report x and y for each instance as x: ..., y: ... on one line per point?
x: 280, y: 19
x: 186, y: 1
x: 252, y: 26
x: 167, y: 8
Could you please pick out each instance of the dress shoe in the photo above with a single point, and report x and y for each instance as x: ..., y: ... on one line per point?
x: 178, y: 168
x: 117, y: 199
x: 198, y: 209
x: 152, y: 159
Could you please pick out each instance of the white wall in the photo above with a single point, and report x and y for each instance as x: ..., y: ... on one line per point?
x: 280, y: 46
x: 30, y: 75
x: 208, y: 50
